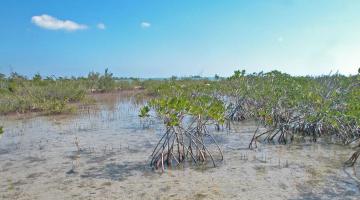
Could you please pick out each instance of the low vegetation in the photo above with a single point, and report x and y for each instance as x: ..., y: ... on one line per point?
x: 54, y: 95
x: 302, y: 108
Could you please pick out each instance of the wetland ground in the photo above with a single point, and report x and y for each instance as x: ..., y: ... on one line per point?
x: 102, y: 153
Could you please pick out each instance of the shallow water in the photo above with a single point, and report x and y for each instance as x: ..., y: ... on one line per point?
x: 102, y: 153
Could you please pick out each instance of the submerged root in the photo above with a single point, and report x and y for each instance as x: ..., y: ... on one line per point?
x: 352, y: 160
x: 179, y: 145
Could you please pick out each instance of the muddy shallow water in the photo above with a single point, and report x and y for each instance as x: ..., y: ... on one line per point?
x: 102, y: 153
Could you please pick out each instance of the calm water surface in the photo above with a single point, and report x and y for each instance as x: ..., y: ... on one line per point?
x: 39, y: 159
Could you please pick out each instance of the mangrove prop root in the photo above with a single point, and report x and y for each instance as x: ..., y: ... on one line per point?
x: 179, y: 144
x: 352, y: 160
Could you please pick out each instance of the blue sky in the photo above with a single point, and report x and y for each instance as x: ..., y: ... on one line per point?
x: 163, y: 38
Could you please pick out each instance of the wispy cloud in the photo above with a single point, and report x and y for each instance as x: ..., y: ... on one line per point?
x: 145, y: 25
x: 101, y: 26
x: 52, y: 23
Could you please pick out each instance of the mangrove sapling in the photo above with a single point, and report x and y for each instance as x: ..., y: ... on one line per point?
x: 186, y: 121
x: 1, y: 131
x: 288, y: 107
x: 296, y: 107
x: 76, y: 142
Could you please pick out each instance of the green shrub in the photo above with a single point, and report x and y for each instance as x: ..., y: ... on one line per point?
x: 106, y: 82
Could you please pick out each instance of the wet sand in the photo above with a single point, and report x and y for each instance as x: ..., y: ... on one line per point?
x: 102, y: 153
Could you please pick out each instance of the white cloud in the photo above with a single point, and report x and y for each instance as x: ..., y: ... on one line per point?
x: 145, y: 24
x: 101, y: 26
x: 52, y: 23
